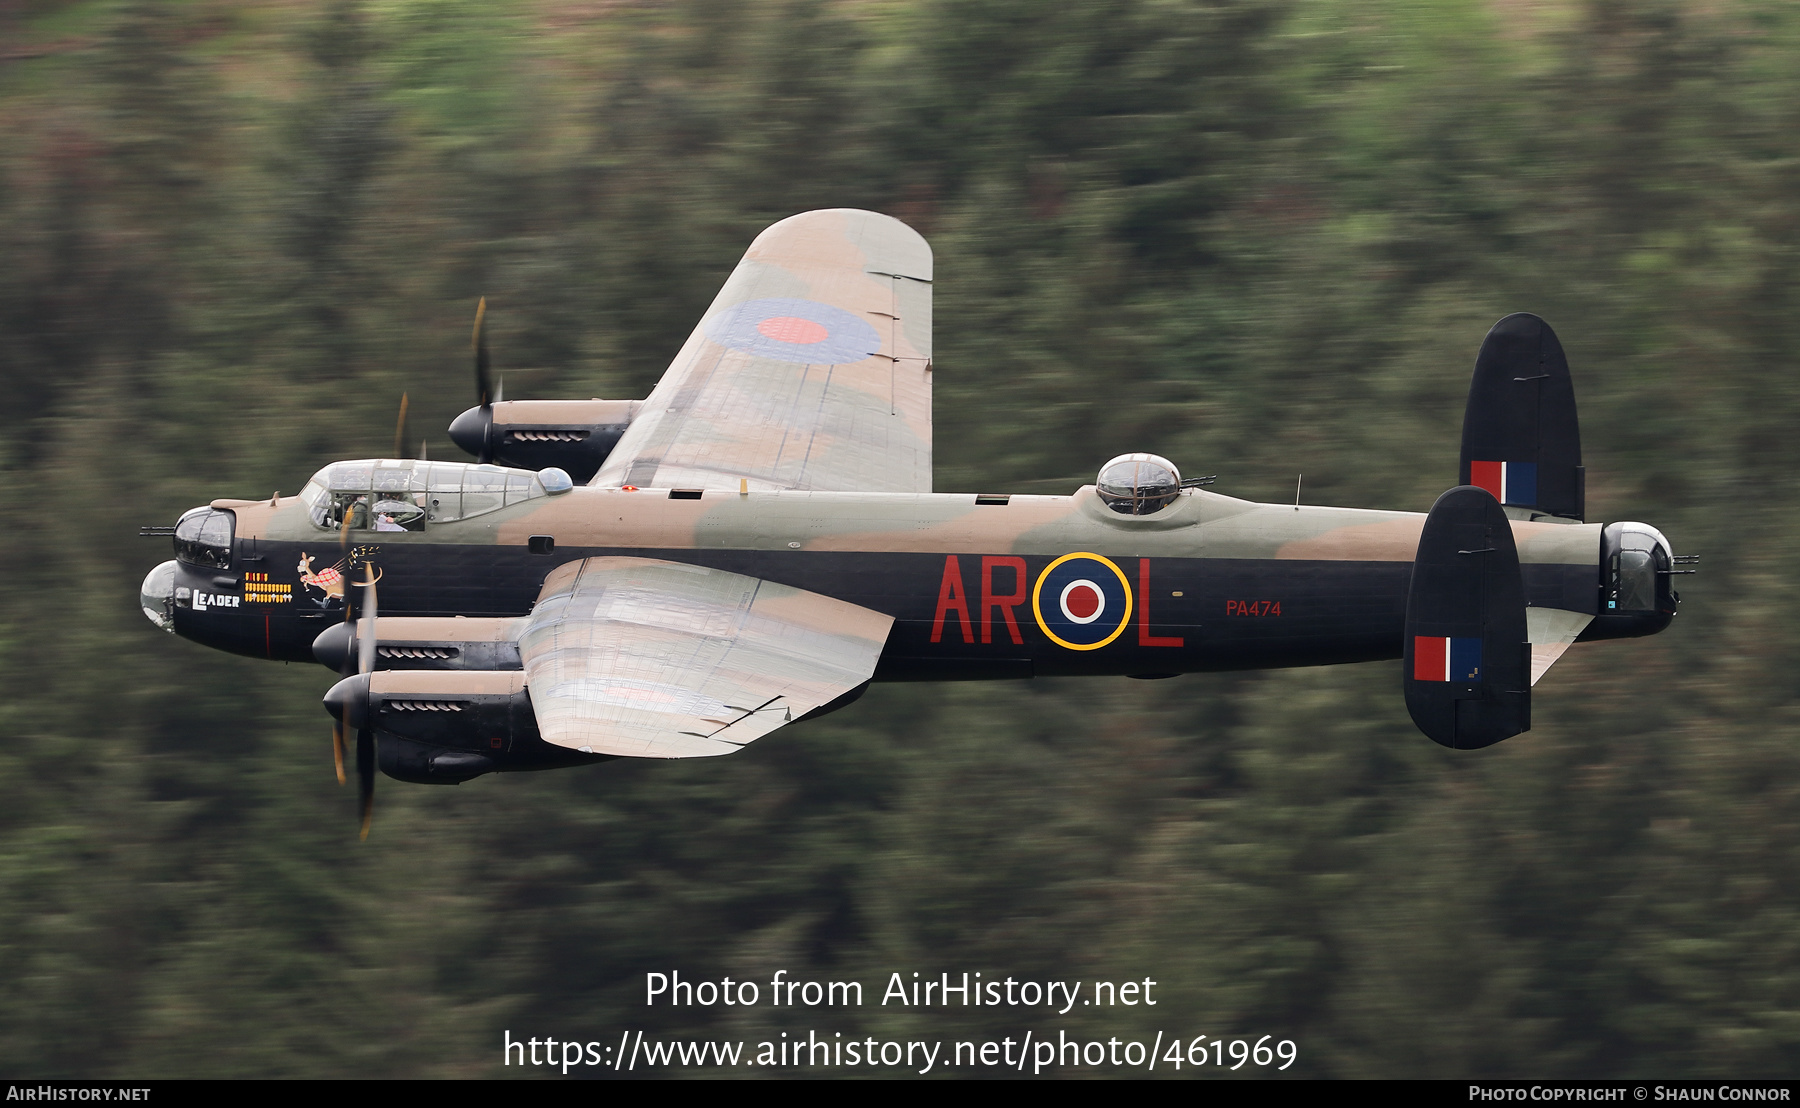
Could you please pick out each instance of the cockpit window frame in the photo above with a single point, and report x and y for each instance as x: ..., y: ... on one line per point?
x: 440, y: 492
x: 204, y: 537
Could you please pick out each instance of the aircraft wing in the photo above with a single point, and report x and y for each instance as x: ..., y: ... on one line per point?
x: 653, y: 659
x: 811, y: 370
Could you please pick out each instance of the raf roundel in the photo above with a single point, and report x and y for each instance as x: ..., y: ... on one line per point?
x: 788, y: 329
x: 1082, y: 601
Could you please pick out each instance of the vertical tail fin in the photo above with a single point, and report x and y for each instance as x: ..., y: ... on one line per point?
x: 1521, y: 439
x: 1468, y: 662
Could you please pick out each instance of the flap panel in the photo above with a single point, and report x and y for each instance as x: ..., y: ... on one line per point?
x: 650, y: 659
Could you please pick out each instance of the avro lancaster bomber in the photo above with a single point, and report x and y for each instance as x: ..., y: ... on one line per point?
x: 758, y: 540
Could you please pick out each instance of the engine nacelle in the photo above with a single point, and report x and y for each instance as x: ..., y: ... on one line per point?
x: 424, y: 642
x: 442, y: 728
x: 572, y: 435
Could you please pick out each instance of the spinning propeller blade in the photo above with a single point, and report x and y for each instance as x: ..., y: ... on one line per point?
x: 484, y: 384
x: 400, y: 429
x: 365, y: 629
x: 344, y: 552
x: 337, y: 730
x: 365, y: 657
x: 365, y: 738
x: 474, y: 429
x: 365, y: 776
x: 484, y: 388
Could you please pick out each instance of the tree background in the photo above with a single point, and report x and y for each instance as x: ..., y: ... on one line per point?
x: 1260, y: 237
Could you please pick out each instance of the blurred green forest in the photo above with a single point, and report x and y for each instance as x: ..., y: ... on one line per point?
x: 1260, y: 237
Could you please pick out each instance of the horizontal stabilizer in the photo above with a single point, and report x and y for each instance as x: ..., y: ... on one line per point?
x: 1468, y: 658
x: 1521, y: 438
x: 1552, y: 630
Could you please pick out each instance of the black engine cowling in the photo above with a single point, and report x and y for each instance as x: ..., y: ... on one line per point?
x: 442, y: 728
x: 571, y: 435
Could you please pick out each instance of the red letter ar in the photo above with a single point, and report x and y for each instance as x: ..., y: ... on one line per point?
x: 1145, y: 638
x: 1006, y: 603
x: 952, y: 597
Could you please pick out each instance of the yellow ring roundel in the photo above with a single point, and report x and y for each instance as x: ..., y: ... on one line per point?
x: 1081, y: 601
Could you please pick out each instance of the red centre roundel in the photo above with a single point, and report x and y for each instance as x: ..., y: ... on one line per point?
x: 790, y: 328
x: 1082, y: 601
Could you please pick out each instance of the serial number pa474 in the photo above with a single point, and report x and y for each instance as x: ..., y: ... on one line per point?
x: 1253, y: 607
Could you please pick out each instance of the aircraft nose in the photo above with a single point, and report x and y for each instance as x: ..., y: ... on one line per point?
x: 156, y: 596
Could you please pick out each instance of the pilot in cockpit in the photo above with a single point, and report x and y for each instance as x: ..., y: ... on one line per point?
x: 353, y: 512
x: 395, y: 512
x: 398, y: 512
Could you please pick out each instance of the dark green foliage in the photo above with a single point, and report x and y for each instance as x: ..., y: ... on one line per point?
x: 1263, y: 238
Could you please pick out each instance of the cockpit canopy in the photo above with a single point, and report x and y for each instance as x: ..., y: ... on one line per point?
x: 404, y: 494
x: 1139, y: 484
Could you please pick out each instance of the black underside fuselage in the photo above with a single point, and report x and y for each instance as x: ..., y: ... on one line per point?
x: 956, y: 617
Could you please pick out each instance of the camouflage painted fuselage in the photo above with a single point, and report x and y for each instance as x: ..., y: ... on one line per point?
x: 978, y: 586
